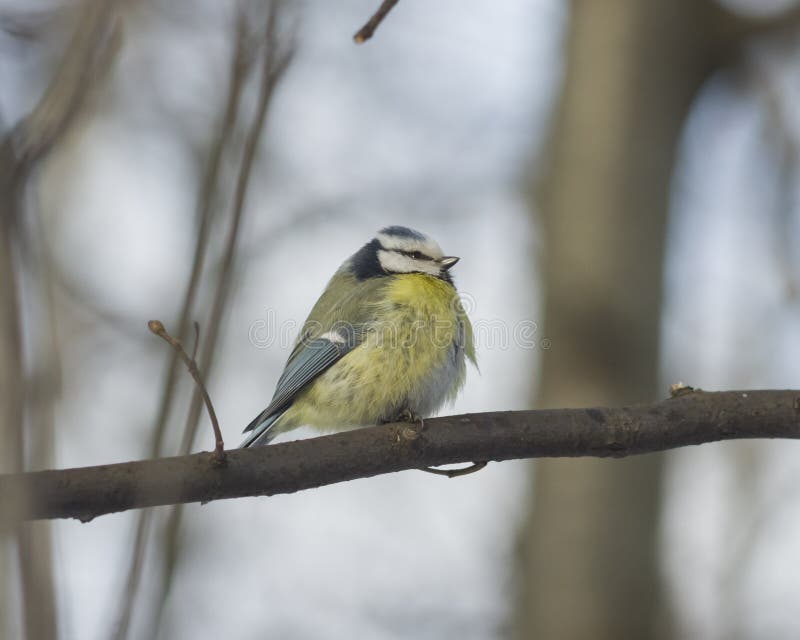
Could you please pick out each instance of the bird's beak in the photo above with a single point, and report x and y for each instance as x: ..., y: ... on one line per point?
x: 448, y: 261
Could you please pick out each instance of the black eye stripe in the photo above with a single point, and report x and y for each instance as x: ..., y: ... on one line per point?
x: 417, y: 255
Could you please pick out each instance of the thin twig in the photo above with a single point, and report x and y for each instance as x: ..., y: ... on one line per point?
x: 196, y: 326
x: 240, y: 66
x: 368, y: 30
x: 158, y: 328
x: 274, y: 63
x: 455, y: 473
x: 449, y: 473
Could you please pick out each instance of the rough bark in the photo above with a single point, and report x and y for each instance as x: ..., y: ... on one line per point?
x: 692, y: 418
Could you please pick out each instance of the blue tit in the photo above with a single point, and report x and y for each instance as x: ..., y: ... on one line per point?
x: 387, y: 340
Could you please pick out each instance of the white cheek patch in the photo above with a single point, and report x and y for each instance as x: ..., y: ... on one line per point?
x: 428, y: 246
x: 394, y: 262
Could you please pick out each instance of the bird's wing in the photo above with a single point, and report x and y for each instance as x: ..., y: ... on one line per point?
x: 320, y: 344
x: 310, y: 359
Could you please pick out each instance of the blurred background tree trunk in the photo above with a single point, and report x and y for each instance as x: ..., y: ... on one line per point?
x: 588, y: 552
x: 10, y: 404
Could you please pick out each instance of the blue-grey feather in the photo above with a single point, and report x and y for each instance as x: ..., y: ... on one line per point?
x: 312, y: 360
x: 308, y: 362
x: 402, y: 232
x: 258, y: 431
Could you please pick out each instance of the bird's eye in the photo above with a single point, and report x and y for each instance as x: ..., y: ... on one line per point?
x: 417, y: 255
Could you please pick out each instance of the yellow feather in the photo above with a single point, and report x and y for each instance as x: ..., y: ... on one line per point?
x: 416, y: 323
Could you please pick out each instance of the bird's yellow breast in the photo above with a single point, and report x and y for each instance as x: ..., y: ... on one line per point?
x: 416, y: 322
x: 425, y: 293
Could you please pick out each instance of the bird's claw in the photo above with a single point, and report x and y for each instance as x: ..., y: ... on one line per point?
x: 407, y: 415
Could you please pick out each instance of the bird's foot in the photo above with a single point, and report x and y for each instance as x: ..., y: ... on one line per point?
x: 407, y: 415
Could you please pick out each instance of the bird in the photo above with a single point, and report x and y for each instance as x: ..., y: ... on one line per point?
x: 387, y: 341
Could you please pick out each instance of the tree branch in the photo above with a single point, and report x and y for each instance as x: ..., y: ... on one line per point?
x: 688, y: 419
x: 368, y: 30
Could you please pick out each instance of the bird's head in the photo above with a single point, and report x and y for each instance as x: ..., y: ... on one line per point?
x: 402, y: 250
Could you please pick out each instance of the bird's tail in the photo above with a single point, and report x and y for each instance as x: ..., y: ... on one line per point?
x: 261, y: 430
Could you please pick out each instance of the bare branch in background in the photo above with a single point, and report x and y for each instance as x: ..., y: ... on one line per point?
x: 689, y: 419
x: 275, y: 60
x: 368, y: 30
x: 158, y: 329
x: 729, y: 30
x: 12, y: 376
x: 274, y: 63
x: 42, y: 388
x: 781, y: 135
x: 33, y: 24
x: 240, y: 65
x: 84, y: 64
